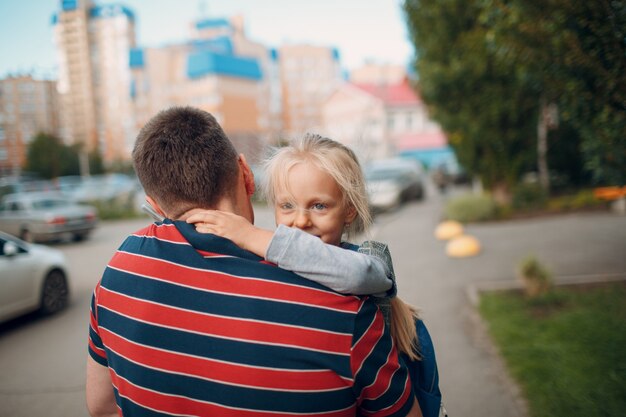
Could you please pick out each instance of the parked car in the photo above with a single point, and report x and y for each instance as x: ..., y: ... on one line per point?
x: 13, y: 185
x: 32, y: 277
x: 99, y: 188
x: 40, y: 217
x: 391, y: 182
x: 448, y: 172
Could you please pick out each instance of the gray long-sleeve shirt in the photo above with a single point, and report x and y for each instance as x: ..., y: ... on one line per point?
x: 368, y: 271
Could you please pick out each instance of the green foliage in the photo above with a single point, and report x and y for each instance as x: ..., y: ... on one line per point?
x: 565, y: 349
x: 96, y: 165
x: 583, y: 199
x: 576, y: 52
x: 485, y: 103
x: 529, y: 197
x: 48, y: 157
x: 470, y: 208
x: 485, y: 65
x: 535, y: 276
x: 115, y: 209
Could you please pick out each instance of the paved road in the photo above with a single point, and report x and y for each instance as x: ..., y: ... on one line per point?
x: 42, y: 360
x: 472, y: 381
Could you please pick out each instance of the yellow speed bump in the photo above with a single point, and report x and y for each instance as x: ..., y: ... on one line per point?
x: 448, y: 229
x: 463, y: 246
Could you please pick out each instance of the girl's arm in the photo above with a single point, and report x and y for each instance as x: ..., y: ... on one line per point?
x: 345, y: 271
x: 342, y: 270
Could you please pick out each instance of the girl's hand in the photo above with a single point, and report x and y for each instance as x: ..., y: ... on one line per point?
x: 231, y: 226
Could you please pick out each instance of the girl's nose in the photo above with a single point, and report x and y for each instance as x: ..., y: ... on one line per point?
x: 302, y: 219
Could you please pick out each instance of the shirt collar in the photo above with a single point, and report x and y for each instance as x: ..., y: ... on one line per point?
x: 211, y: 243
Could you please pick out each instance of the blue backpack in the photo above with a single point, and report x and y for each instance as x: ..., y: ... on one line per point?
x: 424, y: 374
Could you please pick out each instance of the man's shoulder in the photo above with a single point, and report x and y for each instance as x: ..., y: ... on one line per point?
x: 163, y: 242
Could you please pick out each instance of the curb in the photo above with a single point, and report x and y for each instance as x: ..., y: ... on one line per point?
x: 473, y: 291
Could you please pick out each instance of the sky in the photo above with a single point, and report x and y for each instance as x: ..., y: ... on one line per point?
x: 362, y: 30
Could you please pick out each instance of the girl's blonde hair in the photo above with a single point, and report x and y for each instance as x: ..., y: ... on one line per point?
x: 332, y: 157
x: 340, y: 162
x: 403, y: 329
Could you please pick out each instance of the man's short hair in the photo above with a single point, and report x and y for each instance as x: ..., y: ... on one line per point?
x: 184, y: 160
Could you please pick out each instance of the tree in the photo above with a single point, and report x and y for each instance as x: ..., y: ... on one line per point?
x: 479, y: 60
x: 50, y: 158
x: 485, y: 103
x: 577, y: 54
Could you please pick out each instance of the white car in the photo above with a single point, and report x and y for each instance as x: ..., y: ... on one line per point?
x: 46, y: 216
x: 391, y: 182
x: 32, y: 277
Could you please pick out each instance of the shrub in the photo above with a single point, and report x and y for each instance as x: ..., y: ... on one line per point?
x: 470, y: 208
x: 529, y: 197
x: 114, y: 210
x: 583, y: 199
x: 536, y: 277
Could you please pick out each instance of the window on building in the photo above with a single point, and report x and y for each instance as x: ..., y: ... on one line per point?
x: 409, y: 121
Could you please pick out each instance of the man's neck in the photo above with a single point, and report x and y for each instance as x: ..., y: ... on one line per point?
x: 223, y: 205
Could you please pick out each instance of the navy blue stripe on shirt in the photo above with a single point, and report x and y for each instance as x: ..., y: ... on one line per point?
x: 200, y: 345
x: 227, y: 305
x: 230, y: 395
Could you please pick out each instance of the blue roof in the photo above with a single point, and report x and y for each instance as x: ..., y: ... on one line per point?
x: 111, y: 10
x: 274, y: 54
x: 336, y: 55
x: 135, y: 58
x: 221, y: 45
x: 430, y: 157
x: 69, y: 5
x: 212, y: 23
x: 204, y: 63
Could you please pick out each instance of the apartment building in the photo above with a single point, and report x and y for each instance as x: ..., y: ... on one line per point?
x: 93, y: 44
x: 309, y: 75
x: 381, y: 119
x: 219, y: 70
x: 27, y: 107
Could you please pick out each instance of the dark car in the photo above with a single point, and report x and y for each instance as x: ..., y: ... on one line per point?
x: 391, y: 182
x: 41, y: 217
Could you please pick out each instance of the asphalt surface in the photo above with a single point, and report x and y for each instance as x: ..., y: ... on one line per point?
x: 473, y: 378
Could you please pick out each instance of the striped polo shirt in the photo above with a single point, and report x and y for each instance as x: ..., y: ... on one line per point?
x: 192, y: 325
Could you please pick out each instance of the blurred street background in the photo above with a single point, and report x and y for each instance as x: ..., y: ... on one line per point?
x: 492, y: 135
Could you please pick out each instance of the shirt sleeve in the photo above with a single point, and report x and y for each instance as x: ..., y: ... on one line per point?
x: 345, y: 271
x: 96, y: 348
x: 381, y: 382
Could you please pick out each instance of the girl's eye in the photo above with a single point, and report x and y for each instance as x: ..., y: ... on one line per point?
x: 319, y: 206
x: 286, y: 206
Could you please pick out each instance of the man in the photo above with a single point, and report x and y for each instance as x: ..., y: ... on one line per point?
x: 191, y: 324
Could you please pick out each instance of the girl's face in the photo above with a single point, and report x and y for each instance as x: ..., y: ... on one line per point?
x: 313, y: 202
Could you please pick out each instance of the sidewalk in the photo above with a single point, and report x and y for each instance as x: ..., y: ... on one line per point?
x: 473, y: 379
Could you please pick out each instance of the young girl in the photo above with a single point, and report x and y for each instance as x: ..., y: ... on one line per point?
x: 317, y: 189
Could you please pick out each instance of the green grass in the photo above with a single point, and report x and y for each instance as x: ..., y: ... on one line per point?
x: 567, y: 350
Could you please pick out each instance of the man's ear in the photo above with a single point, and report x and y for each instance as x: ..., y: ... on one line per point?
x: 155, y: 206
x: 248, y: 175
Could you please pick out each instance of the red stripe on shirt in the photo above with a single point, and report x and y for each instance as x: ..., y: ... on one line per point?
x: 224, y: 372
x: 228, y: 284
x: 395, y: 407
x: 367, y: 343
x: 166, y: 403
x: 226, y: 327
